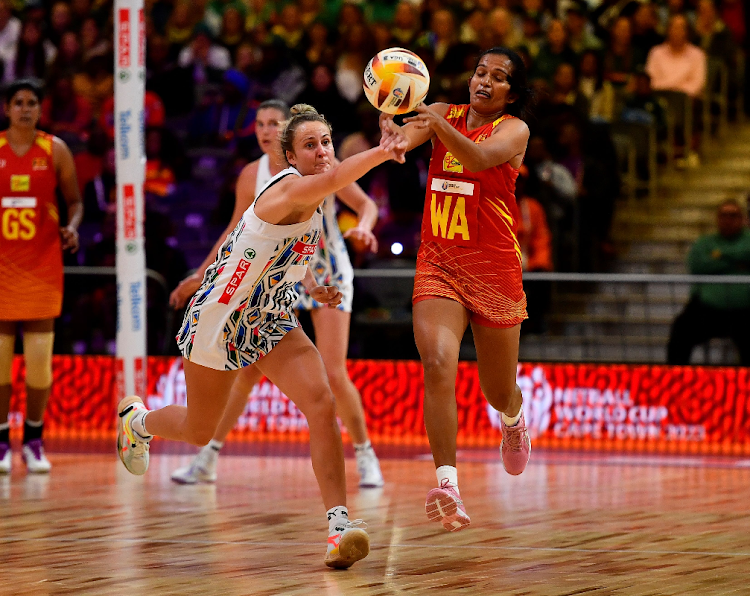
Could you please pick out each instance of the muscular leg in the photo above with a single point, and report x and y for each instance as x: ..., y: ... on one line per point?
x: 332, y: 340
x: 207, y: 392
x: 497, y: 361
x: 439, y: 326
x: 296, y: 368
x: 7, y: 341
x: 37, y: 397
x: 243, y: 385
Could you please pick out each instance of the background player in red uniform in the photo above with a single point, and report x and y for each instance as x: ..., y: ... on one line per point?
x: 32, y: 165
x: 469, y: 268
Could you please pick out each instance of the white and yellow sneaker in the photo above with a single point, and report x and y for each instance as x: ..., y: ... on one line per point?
x: 132, y: 447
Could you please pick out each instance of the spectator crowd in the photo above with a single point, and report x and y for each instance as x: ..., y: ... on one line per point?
x: 593, y: 64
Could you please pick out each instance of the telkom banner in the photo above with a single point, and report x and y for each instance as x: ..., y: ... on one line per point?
x: 130, y: 54
x: 568, y: 406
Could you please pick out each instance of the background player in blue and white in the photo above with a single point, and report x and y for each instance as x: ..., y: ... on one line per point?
x: 330, y: 266
x: 242, y: 316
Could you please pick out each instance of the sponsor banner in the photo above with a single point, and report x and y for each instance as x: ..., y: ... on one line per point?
x: 18, y: 202
x: 141, y: 39
x: 568, y: 406
x: 456, y: 186
x: 123, y: 38
x: 130, y: 164
x: 124, y: 128
x: 129, y: 212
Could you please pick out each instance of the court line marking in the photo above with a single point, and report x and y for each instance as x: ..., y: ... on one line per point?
x: 561, y: 549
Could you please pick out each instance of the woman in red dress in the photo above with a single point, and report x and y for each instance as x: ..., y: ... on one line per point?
x: 33, y: 165
x: 469, y: 267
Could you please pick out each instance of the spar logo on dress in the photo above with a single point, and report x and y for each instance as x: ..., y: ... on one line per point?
x: 123, y: 37
x: 537, y: 402
x: 235, y: 281
x: 301, y: 248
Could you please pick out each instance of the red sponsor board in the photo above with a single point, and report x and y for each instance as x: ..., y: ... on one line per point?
x: 128, y: 211
x: 119, y: 378
x: 123, y: 36
x: 235, y: 281
x: 569, y: 406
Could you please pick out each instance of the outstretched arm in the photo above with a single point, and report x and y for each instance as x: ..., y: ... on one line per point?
x: 508, y: 140
x: 415, y: 134
x: 301, y: 196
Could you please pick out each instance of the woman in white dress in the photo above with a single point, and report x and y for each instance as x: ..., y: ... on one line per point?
x: 242, y: 315
x: 329, y: 266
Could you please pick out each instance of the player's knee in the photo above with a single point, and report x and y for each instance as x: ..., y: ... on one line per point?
x: 502, y: 397
x: 6, y: 357
x: 337, y: 378
x: 37, y: 351
x: 437, y: 363
x: 199, y: 435
x: 320, y: 403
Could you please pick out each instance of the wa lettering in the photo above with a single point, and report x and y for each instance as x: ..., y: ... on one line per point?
x: 441, y: 214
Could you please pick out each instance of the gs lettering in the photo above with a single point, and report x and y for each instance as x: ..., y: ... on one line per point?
x: 18, y: 224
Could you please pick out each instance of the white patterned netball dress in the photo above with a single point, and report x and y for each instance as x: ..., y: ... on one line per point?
x: 244, y: 305
x: 330, y: 265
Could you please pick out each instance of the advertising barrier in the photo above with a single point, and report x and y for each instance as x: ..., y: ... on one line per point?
x: 568, y: 406
x: 131, y: 163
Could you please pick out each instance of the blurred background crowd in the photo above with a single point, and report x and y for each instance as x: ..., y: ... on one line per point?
x: 594, y: 65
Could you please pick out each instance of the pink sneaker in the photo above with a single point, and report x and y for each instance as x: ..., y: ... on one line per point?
x: 515, y: 449
x: 444, y: 505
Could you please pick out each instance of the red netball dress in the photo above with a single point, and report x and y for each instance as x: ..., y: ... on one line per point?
x: 31, y: 267
x: 469, y: 251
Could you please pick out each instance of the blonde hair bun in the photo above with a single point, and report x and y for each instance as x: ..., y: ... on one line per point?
x: 302, y: 108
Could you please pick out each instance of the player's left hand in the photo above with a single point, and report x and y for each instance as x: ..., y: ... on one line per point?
x: 425, y: 118
x: 363, y: 235
x: 69, y: 238
x: 329, y: 295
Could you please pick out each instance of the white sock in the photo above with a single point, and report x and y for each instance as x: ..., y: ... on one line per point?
x: 335, y: 515
x: 5, y: 426
x: 358, y: 447
x: 138, y: 424
x: 512, y: 420
x: 448, y: 473
x: 216, y: 445
x: 34, y: 423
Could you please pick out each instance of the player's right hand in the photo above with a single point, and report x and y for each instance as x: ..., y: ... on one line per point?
x: 184, y: 290
x: 394, y: 141
x: 329, y: 295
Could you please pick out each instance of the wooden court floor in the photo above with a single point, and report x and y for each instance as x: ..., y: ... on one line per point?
x: 571, y: 524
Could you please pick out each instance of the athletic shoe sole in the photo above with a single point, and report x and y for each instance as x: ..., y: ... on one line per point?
x: 354, y: 546
x: 441, y: 507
